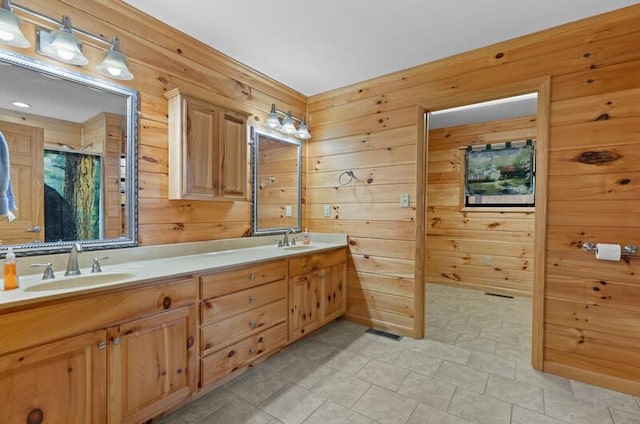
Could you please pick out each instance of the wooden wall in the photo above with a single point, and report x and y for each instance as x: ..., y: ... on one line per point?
x: 162, y: 58
x: 591, y: 316
x: 458, y: 242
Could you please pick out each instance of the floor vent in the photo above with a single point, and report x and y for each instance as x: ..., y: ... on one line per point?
x: 384, y: 334
x: 500, y: 295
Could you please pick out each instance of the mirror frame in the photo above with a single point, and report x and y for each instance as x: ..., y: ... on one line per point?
x: 131, y: 97
x: 255, y: 167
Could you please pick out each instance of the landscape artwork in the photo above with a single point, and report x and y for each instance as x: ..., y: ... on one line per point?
x: 500, y: 176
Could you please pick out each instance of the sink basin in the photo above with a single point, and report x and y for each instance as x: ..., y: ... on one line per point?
x: 79, y: 281
x: 299, y: 247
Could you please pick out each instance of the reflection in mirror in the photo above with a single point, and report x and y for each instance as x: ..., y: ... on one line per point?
x: 276, y: 183
x: 72, y: 149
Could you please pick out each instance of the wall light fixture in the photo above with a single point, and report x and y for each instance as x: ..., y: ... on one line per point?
x: 287, y: 125
x: 61, y: 44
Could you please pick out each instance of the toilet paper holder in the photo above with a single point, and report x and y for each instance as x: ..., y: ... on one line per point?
x: 626, y: 250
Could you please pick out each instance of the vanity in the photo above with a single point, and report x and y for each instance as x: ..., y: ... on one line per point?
x: 162, y: 332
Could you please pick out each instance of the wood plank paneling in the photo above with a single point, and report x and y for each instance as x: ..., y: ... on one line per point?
x: 589, y: 71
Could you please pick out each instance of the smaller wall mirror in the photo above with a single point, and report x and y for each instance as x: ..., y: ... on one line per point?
x: 277, y: 185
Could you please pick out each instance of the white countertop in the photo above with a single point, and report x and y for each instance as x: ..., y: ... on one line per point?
x: 155, y: 262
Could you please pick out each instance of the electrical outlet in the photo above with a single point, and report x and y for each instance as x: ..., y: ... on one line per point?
x: 288, y: 210
x: 327, y: 211
x: 404, y: 200
x: 487, y: 260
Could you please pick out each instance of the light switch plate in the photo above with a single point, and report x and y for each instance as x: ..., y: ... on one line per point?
x: 288, y: 210
x: 327, y: 211
x: 404, y: 200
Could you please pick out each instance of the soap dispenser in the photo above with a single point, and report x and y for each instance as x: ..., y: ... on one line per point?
x: 10, y: 271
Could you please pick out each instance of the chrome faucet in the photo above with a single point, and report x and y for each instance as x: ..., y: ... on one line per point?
x: 285, y: 241
x: 72, y: 265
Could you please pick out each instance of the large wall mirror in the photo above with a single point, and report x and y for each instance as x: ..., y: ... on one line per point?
x: 72, y: 142
x: 277, y: 185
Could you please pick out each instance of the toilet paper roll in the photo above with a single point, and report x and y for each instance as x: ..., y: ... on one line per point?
x: 608, y: 252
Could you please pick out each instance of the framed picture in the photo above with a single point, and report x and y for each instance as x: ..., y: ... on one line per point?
x: 500, y: 175
x: 73, y: 195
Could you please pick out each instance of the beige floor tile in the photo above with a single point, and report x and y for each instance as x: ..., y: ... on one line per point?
x: 476, y: 343
x: 383, y: 374
x: 341, y: 388
x: 575, y: 411
x: 418, y: 362
x: 621, y: 417
x: 444, y: 336
x: 617, y: 400
x: 332, y: 413
x: 427, y: 415
x: 543, y: 380
x: 492, y: 364
x: 292, y: 404
x: 316, y: 351
x: 517, y: 353
x: 516, y: 392
x: 383, y: 351
x: 305, y: 373
x: 257, y: 386
x: 461, y: 376
x: 479, y: 409
x: 440, y: 350
x: 171, y: 419
x: 525, y: 416
x: 427, y: 390
x: 437, y: 320
x: 385, y: 406
x: 237, y: 411
x: 346, y: 361
x: 204, y: 406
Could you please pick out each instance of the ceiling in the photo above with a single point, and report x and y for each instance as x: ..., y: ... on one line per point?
x: 316, y: 46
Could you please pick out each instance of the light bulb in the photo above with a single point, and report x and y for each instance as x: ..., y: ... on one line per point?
x: 65, y: 54
x: 6, y: 35
x: 116, y: 72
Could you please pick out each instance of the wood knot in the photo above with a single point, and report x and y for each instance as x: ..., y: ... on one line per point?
x: 352, y: 242
x: 499, y: 55
x: 166, y: 302
x: 597, y: 158
x: 36, y: 416
x: 624, y: 181
x: 190, y: 342
x: 603, y: 117
x: 231, y: 353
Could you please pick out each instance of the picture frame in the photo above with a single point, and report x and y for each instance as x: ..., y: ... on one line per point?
x: 499, y: 175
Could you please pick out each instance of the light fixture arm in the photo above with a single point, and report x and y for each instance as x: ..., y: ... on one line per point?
x: 292, y: 116
x: 66, y: 22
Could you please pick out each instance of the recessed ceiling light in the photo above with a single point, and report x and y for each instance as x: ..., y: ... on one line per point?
x: 21, y: 104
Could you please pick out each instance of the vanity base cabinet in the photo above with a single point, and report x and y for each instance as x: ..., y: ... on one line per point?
x: 114, y: 357
x: 151, y: 365
x: 243, y: 318
x: 317, y: 291
x: 59, y: 382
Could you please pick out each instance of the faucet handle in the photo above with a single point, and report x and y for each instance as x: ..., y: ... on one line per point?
x: 293, y: 241
x: 96, y: 264
x: 48, y: 270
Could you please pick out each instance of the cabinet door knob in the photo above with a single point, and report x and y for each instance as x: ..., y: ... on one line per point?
x: 252, y: 277
x: 102, y: 346
x: 252, y: 350
x: 253, y: 324
x: 116, y: 341
x: 252, y: 299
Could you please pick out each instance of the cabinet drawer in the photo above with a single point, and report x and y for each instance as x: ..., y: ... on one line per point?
x: 225, y: 361
x: 226, y: 332
x: 314, y: 262
x: 40, y: 325
x: 221, y: 283
x: 219, y: 308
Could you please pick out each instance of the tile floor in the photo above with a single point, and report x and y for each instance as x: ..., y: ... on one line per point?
x: 472, y: 368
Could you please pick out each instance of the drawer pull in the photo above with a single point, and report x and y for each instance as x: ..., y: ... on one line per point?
x: 252, y: 277
x: 252, y: 299
x: 116, y: 341
x: 252, y: 350
x: 253, y: 324
x: 102, y: 346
